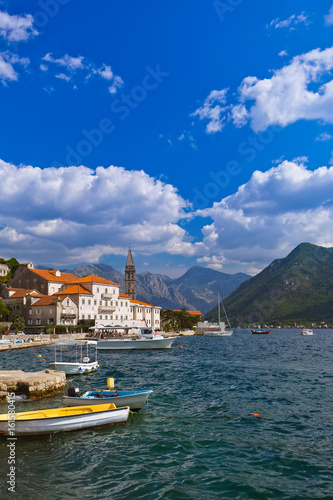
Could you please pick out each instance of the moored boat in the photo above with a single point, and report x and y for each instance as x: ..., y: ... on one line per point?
x: 134, y: 399
x: 39, y: 422
x: 82, y: 363
x: 258, y: 331
x: 146, y: 338
x: 307, y: 331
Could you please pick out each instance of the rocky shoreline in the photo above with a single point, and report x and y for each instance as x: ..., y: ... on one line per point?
x: 31, y: 384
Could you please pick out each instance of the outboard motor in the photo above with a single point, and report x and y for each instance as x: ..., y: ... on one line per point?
x: 73, y: 392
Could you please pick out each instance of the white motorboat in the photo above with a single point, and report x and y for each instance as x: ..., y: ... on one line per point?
x: 39, y: 422
x: 134, y: 399
x: 307, y: 331
x: 82, y: 363
x: 146, y: 338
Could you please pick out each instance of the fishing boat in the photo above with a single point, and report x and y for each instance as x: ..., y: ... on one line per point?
x: 134, y: 399
x: 259, y: 331
x: 307, y: 331
x: 146, y: 338
x: 220, y: 330
x: 39, y: 422
x: 82, y: 363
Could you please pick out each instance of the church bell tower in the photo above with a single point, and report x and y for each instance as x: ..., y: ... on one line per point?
x: 130, y: 276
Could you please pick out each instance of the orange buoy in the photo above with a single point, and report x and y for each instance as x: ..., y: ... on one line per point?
x: 256, y: 414
x: 180, y: 347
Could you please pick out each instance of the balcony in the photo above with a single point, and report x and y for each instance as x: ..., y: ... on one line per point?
x: 68, y: 316
x: 106, y: 309
x: 108, y: 296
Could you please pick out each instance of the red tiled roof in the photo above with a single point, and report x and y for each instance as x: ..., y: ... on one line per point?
x: 123, y: 295
x: 92, y: 278
x: 193, y: 313
x: 50, y: 276
x: 45, y: 300
x: 73, y: 290
x: 143, y: 303
x: 21, y: 292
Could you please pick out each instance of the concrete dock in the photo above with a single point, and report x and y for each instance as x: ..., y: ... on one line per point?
x: 32, y: 384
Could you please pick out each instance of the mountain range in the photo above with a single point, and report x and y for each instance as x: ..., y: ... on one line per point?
x: 295, y: 289
x: 195, y: 290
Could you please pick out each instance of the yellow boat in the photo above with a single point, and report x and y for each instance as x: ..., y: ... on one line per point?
x: 38, y: 422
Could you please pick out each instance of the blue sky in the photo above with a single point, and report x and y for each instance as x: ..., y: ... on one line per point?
x: 198, y: 133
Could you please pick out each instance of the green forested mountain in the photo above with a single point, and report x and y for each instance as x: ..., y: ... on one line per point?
x: 298, y: 288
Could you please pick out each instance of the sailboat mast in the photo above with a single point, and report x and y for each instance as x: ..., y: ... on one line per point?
x: 218, y: 306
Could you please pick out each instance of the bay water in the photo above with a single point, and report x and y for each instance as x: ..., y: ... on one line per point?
x: 241, y: 417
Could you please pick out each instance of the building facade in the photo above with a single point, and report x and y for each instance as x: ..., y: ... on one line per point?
x: 52, y: 297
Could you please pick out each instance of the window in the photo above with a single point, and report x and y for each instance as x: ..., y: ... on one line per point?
x: 50, y: 311
x: 88, y: 316
x: 95, y: 302
x: 97, y: 290
x: 114, y: 291
x: 72, y: 311
x: 38, y: 311
x: 121, y: 304
x: 106, y: 317
x: 100, y: 303
x: 30, y: 311
x: 106, y: 290
x: 67, y: 302
x: 82, y: 316
x: 29, y: 322
x: 83, y: 301
x: 63, y: 311
x: 116, y: 317
x: 100, y: 316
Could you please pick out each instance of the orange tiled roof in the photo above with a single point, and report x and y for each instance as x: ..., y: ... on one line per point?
x: 194, y: 313
x: 21, y: 292
x: 123, y: 295
x: 143, y: 303
x: 92, y: 278
x: 50, y: 276
x: 45, y: 300
x: 73, y: 290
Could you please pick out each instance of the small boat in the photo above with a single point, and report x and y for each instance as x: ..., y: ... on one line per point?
x: 307, y: 331
x: 258, y: 331
x: 146, y: 338
x: 39, y: 422
x: 134, y: 399
x: 220, y: 331
x: 82, y: 363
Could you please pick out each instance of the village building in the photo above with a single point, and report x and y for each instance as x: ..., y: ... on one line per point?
x: 51, y: 297
x: 4, y: 269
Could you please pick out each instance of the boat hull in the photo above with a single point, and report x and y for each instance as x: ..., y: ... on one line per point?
x: 227, y: 333
x: 71, y: 419
x: 74, y: 368
x: 134, y: 399
x: 135, y: 344
x: 264, y: 332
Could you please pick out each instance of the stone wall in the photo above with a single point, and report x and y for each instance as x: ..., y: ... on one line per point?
x: 33, y: 385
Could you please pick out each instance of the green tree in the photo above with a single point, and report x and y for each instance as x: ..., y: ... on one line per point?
x: 4, y: 311
x: 18, y: 323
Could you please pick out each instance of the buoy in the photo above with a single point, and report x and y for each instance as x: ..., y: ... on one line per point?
x: 256, y: 414
x: 110, y: 383
x: 44, y: 360
x: 39, y: 355
x: 180, y: 347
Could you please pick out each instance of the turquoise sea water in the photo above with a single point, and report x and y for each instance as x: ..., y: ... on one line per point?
x: 197, y: 437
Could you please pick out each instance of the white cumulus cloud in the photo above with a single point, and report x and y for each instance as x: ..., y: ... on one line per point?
x: 16, y: 28
x: 270, y: 215
x: 329, y: 17
x: 213, y: 111
x: 76, y: 214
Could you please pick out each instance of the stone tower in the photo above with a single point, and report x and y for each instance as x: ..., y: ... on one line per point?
x: 130, y: 276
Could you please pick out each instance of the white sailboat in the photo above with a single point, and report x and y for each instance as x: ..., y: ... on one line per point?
x: 220, y: 331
